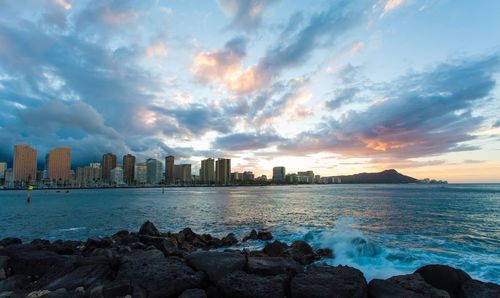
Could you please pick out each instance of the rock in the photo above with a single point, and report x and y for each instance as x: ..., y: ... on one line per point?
x: 148, y: 228
x: 118, y: 236
x: 229, y: 240
x: 216, y: 264
x: 118, y: 288
x: 302, y: 252
x: 68, y: 247
x: 157, y: 275
x: 239, y: 284
x: 328, y: 281
x: 85, y: 276
x: 273, y: 266
x: 167, y: 245
x: 188, y: 235
x: 444, y: 277
x: 3, y: 267
x: 252, y: 236
x: 193, y: 293
x: 6, y: 294
x: 96, y: 292
x: 93, y: 243
x: 264, y: 235
x: 38, y: 263
x: 410, y: 285
x: 10, y: 241
x: 325, y: 253
x: 14, y: 282
x: 37, y: 294
x: 477, y: 289
x: 213, y: 292
x: 275, y: 249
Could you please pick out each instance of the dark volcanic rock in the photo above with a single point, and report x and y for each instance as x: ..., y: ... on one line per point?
x: 444, y: 277
x: 325, y: 253
x: 252, y: 236
x: 410, y: 285
x: 13, y: 283
x: 118, y: 236
x: 38, y: 263
x: 264, y: 235
x: 273, y: 265
x: 93, y: 243
x: 119, y: 288
x: 302, y: 252
x: 148, y: 228
x: 275, y: 249
x: 229, y: 240
x: 82, y: 276
x: 193, y: 293
x: 10, y: 241
x: 328, y: 281
x: 157, y: 275
x: 239, y: 284
x: 216, y: 264
x: 477, y: 289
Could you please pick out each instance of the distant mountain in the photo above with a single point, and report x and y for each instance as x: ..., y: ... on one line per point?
x: 387, y: 176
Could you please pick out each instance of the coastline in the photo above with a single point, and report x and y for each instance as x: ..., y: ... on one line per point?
x: 149, y: 263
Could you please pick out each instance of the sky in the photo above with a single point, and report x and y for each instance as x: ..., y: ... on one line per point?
x: 337, y: 87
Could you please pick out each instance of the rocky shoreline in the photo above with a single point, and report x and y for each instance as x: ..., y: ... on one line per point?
x: 149, y: 263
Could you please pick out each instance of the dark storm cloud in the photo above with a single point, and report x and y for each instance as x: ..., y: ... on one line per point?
x: 246, y: 14
x: 247, y: 141
x: 426, y: 113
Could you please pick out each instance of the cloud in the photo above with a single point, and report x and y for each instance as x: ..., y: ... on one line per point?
x: 390, y: 5
x: 352, y: 85
x: 427, y: 113
x: 225, y: 67
x: 247, y: 141
x: 246, y: 14
x: 496, y: 124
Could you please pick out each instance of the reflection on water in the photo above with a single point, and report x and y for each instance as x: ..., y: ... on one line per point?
x: 382, y: 229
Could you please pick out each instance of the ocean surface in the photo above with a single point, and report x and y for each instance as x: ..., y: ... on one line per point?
x: 381, y: 229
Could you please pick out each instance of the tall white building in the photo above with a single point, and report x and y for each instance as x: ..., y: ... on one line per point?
x: 117, y: 176
x: 279, y: 174
x: 141, y: 173
x: 154, y: 171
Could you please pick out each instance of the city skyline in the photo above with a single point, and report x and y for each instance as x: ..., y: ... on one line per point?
x: 336, y: 87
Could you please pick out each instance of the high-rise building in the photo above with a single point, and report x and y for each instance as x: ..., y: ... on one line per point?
x: 3, y: 169
x: 182, y: 173
x: 236, y: 177
x: 248, y: 176
x: 279, y: 174
x: 24, y: 163
x: 141, y: 173
x: 88, y: 175
x: 117, y: 176
x: 58, y: 164
x: 223, y: 171
x: 128, y: 168
x: 169, y: 170
x: 207, y: 171
x: 108, y: 163
x: 154, y: 171
x: 305, y: 177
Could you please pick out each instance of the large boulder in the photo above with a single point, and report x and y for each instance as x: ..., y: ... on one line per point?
x: 157, y: 275
x: 264, y: 235
x: 239, y: 284
x: 94, y: 243
x: 10, y: 241
x: 477, y: 289
x: 444, y: 277
x: 410, y: 285
x: 275, y: 249
x: 251, y: 236
x: 216, y: 264
x: 273, y: 265
x: 302, y: 252
x: 82, y: 276
x: 38, y: 263
x: 193, y: 293
x: 328, y: 281
x: 148, y: 228
x: 119, y: 288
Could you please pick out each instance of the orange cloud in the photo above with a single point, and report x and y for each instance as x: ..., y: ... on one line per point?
x: 157, y: 49
x: 391, y: 5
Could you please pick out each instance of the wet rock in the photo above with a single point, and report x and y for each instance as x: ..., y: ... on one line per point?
x: 252, y: 236
x: 85, y: 276
x: 328, y: 281
x: 118, y: 236
x: 10, y: 241
x: 14, y: 282
x: 157, y: 275
x: 38, y: 263
x: 148, y: 228
x: 273, y: 265
x: 36, y: 294
x: 325, y: 253
x: 216, y: 264
x: 68, y: 247
x: 93, y: 243
x: 229, y: 240
x: 167, y: 245
x: 264, y: 235
x: 193, y: 293
x: 302, y: 252
x: 239, y: 284
x: 410, y: 285
x: 444, y: 277
x: 213, y: 292
x: 477, y: 289
x: 118, y: 288
x: 3, y: 267
x: 275, y: 249
x: 96, y: 291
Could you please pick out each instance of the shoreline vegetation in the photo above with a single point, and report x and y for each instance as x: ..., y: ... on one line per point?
x: 149, y: 263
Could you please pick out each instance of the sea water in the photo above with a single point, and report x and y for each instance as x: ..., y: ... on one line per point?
x: 383, y: 230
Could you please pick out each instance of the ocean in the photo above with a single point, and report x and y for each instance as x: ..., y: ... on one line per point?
x: 383, y: 230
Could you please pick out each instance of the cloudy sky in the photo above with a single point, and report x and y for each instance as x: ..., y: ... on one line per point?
x: 337, y: 87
